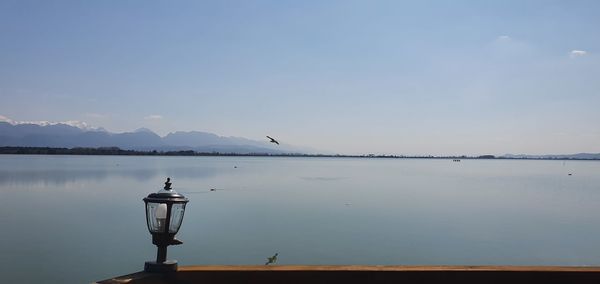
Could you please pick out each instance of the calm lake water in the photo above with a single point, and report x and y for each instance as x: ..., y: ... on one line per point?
x: 76, y: 219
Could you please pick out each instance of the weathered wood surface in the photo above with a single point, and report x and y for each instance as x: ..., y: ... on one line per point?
x: 367, y: 274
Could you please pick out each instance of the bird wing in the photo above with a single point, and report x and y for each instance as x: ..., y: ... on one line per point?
x: 273, y: 140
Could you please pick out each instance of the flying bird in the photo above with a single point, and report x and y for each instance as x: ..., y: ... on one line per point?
x: 272, y: 259
x: 272, y: 140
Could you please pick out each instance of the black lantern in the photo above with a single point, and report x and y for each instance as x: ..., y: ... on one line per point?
x: 164, y: 214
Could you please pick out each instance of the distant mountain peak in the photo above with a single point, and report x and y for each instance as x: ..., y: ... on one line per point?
x: 143, y: 129
x: 73, y: 123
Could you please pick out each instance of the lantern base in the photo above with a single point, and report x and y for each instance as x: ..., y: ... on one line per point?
x: 162, y: 267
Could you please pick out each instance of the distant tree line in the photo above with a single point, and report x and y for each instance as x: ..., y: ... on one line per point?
x: 101, y: 151
x: 121, y: 152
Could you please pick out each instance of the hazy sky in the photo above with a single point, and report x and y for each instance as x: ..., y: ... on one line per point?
x: 422, y: 77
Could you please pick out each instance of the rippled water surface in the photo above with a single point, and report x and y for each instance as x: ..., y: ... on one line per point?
x: 76, y: 219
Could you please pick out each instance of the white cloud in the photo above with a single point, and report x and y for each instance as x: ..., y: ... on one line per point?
x: 577, y: 53
x: 153, y: 117
x: 96, y: 115
x: 507, y: 47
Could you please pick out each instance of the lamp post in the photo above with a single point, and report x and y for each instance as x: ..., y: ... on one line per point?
x: 164, y: 214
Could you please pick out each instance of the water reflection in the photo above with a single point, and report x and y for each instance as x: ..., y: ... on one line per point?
x: 317, y: 178
x: 44, y: 174
x: 311, y: 211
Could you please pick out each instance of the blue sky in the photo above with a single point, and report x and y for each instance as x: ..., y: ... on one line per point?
x: 394, y: 77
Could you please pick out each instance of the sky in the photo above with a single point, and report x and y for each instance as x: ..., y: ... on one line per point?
x: 353, y: 77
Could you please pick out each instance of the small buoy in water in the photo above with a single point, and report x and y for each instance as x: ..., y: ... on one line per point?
x: 235, y: 167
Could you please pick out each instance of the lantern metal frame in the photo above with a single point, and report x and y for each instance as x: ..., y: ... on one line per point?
x: 164, y: 238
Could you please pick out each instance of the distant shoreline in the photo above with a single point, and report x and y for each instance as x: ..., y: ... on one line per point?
x: 115, y: 151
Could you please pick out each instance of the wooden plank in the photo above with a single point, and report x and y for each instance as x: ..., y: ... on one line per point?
x: 316, y: 274
x: 386, y: 268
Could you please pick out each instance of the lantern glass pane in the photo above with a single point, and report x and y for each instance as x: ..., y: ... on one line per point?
x: 157, y: 216
x: 176, y: 217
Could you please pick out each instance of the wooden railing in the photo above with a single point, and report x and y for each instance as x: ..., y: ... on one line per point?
x: 367, y: 274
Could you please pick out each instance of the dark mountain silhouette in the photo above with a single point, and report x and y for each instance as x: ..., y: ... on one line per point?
x: 143, y: 129
x: 62, y: 135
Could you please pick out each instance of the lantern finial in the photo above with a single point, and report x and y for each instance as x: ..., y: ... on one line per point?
x: 168, y: 184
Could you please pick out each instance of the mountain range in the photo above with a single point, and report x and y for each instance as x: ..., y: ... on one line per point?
x: 70, y: 136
